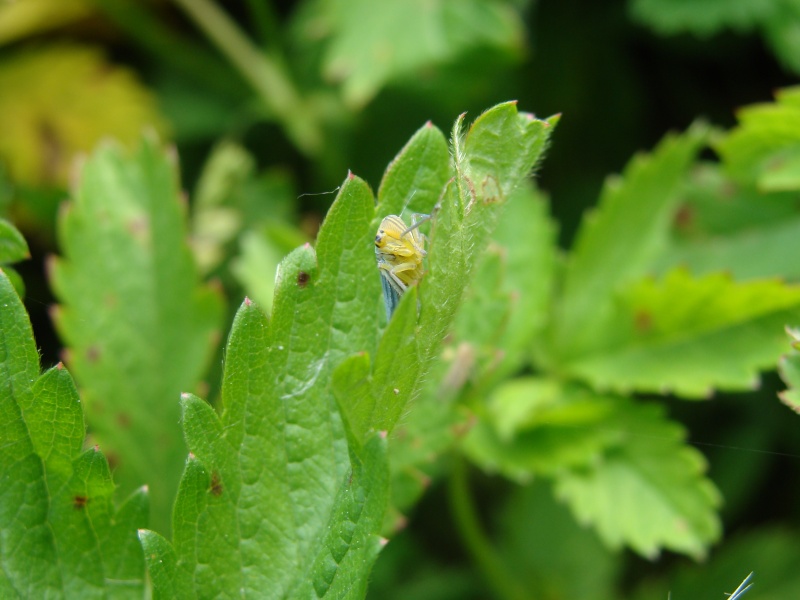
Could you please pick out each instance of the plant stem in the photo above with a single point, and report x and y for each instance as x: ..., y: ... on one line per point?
x: 262, y: 72
x: 499, y: 578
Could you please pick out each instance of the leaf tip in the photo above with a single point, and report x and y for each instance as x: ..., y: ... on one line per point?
x: 350, y: 175
x: 383, y: 541
x: 383, y: 433
x: 60, y: 366
x: 247, y: 301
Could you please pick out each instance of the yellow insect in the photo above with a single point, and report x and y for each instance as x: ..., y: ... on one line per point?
x: 399, y: 251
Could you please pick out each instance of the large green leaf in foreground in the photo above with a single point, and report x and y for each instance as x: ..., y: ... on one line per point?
x: 60, y: 535
x: 138, y: 325
x: 273, y: 502
x: 270, y: 502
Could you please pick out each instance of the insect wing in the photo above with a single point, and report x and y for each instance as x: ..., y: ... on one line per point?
x: 391, y: 294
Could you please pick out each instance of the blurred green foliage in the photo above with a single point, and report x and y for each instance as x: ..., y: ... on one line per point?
x: 679, y: 282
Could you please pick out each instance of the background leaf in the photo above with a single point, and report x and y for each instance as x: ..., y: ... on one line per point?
x: 55, y: 103
x: 618, y: 243
x: 365, y: 51
x: 647, y: 491
x: 690, y: 335
x: 139, y: 326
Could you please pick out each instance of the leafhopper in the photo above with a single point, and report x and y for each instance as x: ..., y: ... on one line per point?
x: 399, y: 251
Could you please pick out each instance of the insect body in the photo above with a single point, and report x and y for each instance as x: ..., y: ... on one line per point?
x: 399, y: 251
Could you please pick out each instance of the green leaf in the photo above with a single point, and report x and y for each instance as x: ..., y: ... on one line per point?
x: 61, y: 535
x: 13, y: 246
x: 701, y: 17
x: 139, y: 327
x: 764, y: 149
x: 536, y: 426
x: 508, y: 301
x: 369, y: 44
x: 530, y: 516
x: 781, y: 30
x: 724, y: 226
x: 498, y: 150
x: 647, y: 491
x: 789, y: 368
x: 690, y: 335
x: 621, y: 466
x: 619, y: 242
x: 270, y: 496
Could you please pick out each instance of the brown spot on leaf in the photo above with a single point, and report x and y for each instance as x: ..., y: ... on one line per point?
x: 643, y: 321
x: 684, y: 218
x: 80, y: 502
x: 92, y: 354
x: 124, y: 420
x: 302, y: 279
x: 216, y: 484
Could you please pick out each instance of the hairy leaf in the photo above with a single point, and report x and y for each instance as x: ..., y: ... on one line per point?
x: 492, y: 157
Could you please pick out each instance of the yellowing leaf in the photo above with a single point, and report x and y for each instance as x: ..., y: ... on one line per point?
x: 59, y: 101
x: 20, y: 19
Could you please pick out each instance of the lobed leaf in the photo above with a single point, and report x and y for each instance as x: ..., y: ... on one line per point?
x: 533, y: 426
x: 789, y: 368
x: 13, y: 246
x: 60, y: 535
x: 368, y: 45
x: 690, y: 335
x: 647, y: 491
x: 619, y: 243
x: 271, y: 503
x: 703, y: 17
x: 139, y: 326
x: 468, y: 197
x: 507, y: 303
x: 764, y: 149
x: 722, y: 225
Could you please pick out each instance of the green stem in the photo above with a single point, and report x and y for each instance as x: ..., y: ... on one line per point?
x: 180, y: 53
x: 262, y: 72
x: 499, y: 578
